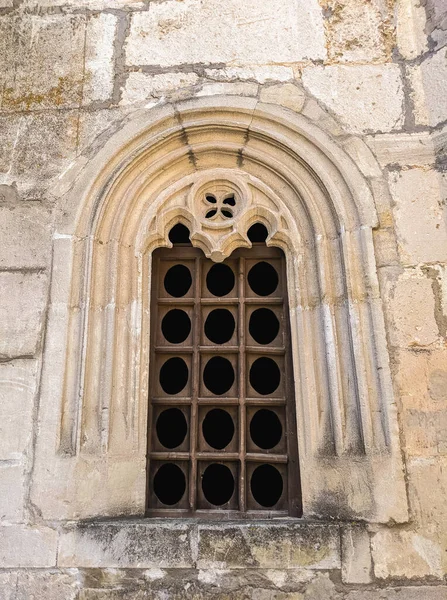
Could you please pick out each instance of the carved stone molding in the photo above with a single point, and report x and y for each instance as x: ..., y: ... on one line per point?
x: 184, y: 166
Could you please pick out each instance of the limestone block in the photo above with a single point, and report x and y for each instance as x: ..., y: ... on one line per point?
x: 356, y: 556
x: 406, y: 149
x: 420, y: 215
x: 413, y: 310
x: 410, y: 22
x: 125, y: 544
x: 90, y: 4
x: 99, y: 58
x: 40, y: 146
x: 143, y: 86
x: 25, y: 231
x: 12, y: 489
x: 287, y: 95
x: 366, y: 98
x: 427, y: 491
x: 405, y: 555
x: 18, y: 384
x: 22, y: 303
x: 425, y: 432
x: 8, y: 585
x: 429, y: 89
x: 22, y: 546
x: 260, y: 74
x: 209, y: 32
x: 357, y: 31
x: 268, y: 546
x: 48, y: 585
x: 436, y: 25
x: 419, y: 592
x: 239, y: 88
x: 54, y: 61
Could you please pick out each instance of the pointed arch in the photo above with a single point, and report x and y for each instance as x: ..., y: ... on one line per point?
x: 119, y: 206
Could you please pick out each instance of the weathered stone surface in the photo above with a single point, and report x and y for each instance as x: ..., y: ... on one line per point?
x: 429, y: 83
x: 239, y: 88
x: 356, y: 556
x: 356, y: 95
x: 153, y: 544
x: 143, y: 86
x: 12, y: 489
x: 24, y: 546
x: 405, y: 554
x: 51, y: 585
x: 358, y: 31
x: 25, y: 229
x: 413, y: 308
x: 420, y: 215
x: 89, y: 4
x: 260, y: 74
x: 405, y: 149
x: 436, y: 23
x: 268, y: 546
x: 22, y: 303
x: 18, y: 384
x: 55, y: 61
x: 287, y: 95
x: 410, y: 24
x: 187, y: 32
x: 38, y: 146
x: 417, y: 592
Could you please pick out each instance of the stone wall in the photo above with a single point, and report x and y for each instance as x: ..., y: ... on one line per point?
x: 370, y: 74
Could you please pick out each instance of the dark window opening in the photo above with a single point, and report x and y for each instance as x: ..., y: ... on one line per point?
x: 178, y: 280
x: 176, y: 326
x: 169, y: 484
x: 222, y: 438
x: 257, y: 233
x: 179, y: 234
x: 217, y: 484
x: 218, y: 428
x: 219, y: 326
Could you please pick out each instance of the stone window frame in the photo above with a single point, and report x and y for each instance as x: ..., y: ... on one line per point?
x: 117, y: 206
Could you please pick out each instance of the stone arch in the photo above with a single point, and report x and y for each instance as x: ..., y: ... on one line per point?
x: 121, y: 204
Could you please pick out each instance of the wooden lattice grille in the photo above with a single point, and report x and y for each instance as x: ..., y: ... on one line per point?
x: 222, y: 427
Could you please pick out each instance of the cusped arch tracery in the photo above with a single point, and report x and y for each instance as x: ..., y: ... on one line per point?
x: 276, y: 170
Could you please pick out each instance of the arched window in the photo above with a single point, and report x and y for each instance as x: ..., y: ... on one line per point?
x: 217, y: 166
x: 222, y: 427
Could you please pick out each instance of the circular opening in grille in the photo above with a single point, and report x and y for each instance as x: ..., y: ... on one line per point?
x: 218, y: 428
x: 265, y: 429
x: 266, y: 485
x: 218, y: 375
x: 178, y: 280
x: 264, y: 376
x: 176, y: 326
x: 171, y: 427
x: 217, y: 484
x: 174, y: 375
x: 263, y: 326
x: 263, y: 279
x: 219, y: 326
x: 169, y: 484
x: 220, y: 280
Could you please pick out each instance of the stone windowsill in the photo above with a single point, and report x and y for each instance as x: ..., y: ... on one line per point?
x: 189, y: 543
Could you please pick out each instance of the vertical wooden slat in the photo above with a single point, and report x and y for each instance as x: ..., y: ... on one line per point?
x: 242, y: 386
x: 195, y: 386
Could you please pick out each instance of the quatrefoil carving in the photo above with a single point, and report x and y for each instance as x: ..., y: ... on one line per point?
x: 220, y: 206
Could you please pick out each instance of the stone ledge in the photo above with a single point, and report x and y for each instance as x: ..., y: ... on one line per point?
x: 285, y: 544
